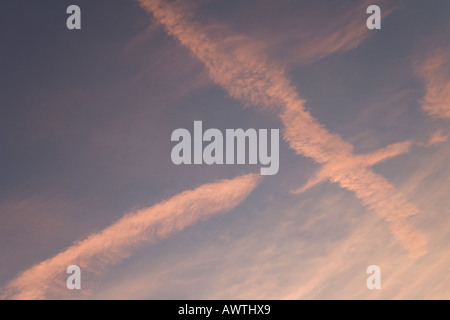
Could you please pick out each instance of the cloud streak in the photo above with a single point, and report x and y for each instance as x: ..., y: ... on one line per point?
x: 435, y: 72
x: 236, y: 63
x: 362, y: 160
x: 114, y: 243
x: 339, y: 31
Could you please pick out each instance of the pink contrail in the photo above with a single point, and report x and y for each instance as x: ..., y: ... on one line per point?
x: 236, y: 63
x: 115, y: 243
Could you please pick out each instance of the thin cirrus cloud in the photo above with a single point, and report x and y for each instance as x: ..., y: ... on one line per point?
x: 115, y: 243
x: 300, y: 37
x: 437, y: 137
x: 434, y: 70
x: 236, y: 63
x: 341, y: 32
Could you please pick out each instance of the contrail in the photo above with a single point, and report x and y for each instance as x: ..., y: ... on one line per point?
x: 236, y: 63
x: 114, y: 243
x: 365, y: 160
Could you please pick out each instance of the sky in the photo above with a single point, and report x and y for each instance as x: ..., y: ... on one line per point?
x: 87, y: 179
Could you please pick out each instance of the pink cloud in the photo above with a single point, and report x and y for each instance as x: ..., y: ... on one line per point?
x: 237, y: 64
x: 114, y: 243
x: 435, y: 72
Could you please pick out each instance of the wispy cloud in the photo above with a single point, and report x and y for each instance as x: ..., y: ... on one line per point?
x: 236, y: 63
x: 434, y: 69
x: 115, y: 243
x: 437, y: 137
x: 336, y: 31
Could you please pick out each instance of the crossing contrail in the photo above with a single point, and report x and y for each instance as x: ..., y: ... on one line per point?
x: 236, y: 63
